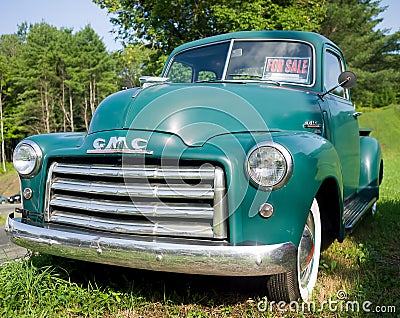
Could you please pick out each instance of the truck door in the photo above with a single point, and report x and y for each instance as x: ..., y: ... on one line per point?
x: 343, y: 123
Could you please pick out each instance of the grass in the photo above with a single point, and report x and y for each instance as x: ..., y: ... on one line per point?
x: 3, y: 218
x: 364, y: 269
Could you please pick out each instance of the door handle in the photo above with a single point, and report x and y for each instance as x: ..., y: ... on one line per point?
x: 357, y: 114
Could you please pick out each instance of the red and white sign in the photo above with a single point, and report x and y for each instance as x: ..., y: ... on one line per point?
x: 291, y: 69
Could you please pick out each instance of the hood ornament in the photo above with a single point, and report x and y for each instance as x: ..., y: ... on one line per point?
x: 152, y: 80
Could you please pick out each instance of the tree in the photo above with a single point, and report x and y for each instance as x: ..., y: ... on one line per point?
x: 97, y: 75
x: 63, y: 51
x: 372, y: 53
x: 161, y: 24
x: 38, y: 76
x: 165, y: 24
x: 9, y: 50
x: 61, y: 78
x: 132, y: 62
x: 51, y: 80
x: 268, y: 15
x: 4, y: 73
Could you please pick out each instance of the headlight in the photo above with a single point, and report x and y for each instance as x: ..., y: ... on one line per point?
x: 27, y: 157
x: 269, y: 165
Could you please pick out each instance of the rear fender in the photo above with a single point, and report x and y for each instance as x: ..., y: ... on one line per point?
x: 371, y: 164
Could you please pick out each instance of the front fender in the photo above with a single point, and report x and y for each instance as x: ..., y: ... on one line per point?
x: 314, y: 161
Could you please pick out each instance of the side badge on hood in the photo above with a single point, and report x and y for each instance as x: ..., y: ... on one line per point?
x: 120, y: 145
x: 312, y: 124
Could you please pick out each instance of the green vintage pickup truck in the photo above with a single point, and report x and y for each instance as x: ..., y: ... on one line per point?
x: 245, y: 158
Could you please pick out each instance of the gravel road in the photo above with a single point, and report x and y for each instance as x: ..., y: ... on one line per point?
x: 8, y: 250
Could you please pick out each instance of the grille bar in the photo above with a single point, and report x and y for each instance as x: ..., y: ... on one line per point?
x: 165, y: 228
x: 137, y: 190
x: 181, y: 201
x: 147, y: 209
x: 149, y: 172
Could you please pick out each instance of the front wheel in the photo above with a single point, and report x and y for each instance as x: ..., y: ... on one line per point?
x: 299, y: 282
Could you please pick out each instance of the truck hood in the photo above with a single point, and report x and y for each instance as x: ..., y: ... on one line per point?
x: 198, y: 112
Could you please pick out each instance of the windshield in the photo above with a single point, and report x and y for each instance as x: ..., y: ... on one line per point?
x: 278, y: 61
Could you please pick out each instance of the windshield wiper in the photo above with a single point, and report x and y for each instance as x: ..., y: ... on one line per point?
x: 255, y: 77
x: 220, y: 81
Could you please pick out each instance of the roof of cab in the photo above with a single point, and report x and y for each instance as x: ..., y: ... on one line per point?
x: 316, y: 39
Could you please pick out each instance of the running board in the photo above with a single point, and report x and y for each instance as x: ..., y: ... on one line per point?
x: 355, y: 209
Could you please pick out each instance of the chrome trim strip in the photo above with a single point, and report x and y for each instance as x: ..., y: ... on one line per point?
x: 47, y: 194
x: 168, y: 255
x: 226, y: 65
x: 220, y: 205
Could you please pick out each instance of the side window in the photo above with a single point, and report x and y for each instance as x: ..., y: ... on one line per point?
x: 333, y: 68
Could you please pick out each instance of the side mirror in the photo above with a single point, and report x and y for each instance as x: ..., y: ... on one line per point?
x: 346, y: 80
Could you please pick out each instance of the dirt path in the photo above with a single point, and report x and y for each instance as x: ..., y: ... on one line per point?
x: 9, y: 184
x: 8, y: 250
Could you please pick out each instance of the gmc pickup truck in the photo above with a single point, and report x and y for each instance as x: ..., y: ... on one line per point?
x: 244, y: 158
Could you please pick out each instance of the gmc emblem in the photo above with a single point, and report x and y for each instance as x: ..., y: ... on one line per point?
x: 120, y: 145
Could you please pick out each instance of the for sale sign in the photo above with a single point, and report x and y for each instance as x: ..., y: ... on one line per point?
x: 287, y: 69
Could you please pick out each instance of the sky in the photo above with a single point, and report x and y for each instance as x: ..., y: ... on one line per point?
x: 76, y: 14
x: 73, y: 14
x: 390, y: 16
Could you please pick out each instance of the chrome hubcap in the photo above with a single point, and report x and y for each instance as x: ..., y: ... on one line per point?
x: 306, y: 250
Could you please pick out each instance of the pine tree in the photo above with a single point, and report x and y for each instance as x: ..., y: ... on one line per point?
x: 370, y: 52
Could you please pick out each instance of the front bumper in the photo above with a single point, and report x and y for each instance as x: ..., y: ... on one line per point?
x: 160, y: 254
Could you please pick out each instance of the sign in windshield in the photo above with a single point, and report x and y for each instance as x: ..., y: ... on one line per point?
x: 287, y: 69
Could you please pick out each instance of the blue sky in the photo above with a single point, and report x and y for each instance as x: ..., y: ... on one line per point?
x: 76, y: 14
x: 391, y: 16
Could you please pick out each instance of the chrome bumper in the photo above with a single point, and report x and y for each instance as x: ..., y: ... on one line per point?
x: 168, y: 255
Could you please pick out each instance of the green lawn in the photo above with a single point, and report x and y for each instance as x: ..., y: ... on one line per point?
x: 363, y: 270
x: 3, y: 218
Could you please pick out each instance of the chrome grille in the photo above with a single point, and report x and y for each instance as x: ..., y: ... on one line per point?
x: 184, y: 201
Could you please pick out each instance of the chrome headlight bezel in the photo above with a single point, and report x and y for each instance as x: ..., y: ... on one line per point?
x: 285, y: 157
x: 33, y: 167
